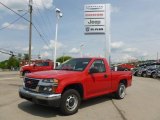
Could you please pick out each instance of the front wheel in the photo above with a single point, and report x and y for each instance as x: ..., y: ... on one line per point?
x: 70, y: 102
x: 121, y: 92
x: 25, y: 73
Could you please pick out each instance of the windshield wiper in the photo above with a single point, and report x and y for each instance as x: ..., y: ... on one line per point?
x: 57, y: 69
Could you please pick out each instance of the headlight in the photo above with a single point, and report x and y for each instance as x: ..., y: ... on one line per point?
x: 52, y: 82
x: 48, y: 85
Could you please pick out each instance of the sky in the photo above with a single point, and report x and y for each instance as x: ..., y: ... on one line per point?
x: 135, y: 29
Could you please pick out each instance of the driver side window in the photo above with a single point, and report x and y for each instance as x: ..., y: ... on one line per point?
x: 99, y: 66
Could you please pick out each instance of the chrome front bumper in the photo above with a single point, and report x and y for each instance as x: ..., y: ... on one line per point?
x: 39, y: 96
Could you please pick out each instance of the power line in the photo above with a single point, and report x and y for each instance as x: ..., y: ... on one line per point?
x: 11, y: 23
x: 42, y: 31
x: 4, y: 50
x: 43, y: 19
x: 41, y: 28
x: 27, y: 21
x: 14, y: 12
x: 49, y: 20
x: 41, y: 35
x: 6, y: 53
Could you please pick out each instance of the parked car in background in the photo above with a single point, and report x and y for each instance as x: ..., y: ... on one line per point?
x: 143, y: 71
x: 126, y: 67
x: 135, y: 71
x: 119, y: 68
x: 158, y: 72
x: 152, y: 71
x: 39, y: 66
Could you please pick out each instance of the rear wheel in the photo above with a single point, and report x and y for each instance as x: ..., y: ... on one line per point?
x: 144, y: 74
x: 154, y: 75
x: 121, y: 92
x: 70, y: 102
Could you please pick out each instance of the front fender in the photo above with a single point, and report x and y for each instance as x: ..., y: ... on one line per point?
x: 63, y: 84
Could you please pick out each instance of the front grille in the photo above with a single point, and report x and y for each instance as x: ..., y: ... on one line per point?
x: 31, y: 83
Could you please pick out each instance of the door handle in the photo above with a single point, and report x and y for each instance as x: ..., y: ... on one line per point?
x: 105, y: 76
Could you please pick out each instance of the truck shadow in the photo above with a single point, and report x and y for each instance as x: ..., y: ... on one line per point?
x: 95, y: 101
x: 38, y: 110
x: 48, y: 112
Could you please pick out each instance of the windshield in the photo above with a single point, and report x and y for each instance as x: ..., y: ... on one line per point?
x: 76, y: 64
x: 154, y: 66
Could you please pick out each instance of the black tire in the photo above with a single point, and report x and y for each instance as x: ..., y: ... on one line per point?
x: 144, y: 74
x: 70, y: 102
x: 25, y: 72
x: 154, y: 75
x: 136, y: 74
x: 121, y: 92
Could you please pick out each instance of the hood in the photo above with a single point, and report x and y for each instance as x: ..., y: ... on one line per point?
x: 152, y: 69
x: 57, y: 74
x: 26, y: 66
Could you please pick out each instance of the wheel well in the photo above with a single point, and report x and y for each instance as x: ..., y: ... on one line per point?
x: 153, y: 73
x: 25, y: 71
x: 144, y: 72
x: 77, y: 87
x: 124, y: 82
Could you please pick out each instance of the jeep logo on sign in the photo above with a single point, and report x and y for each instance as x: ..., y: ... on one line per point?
x: 97, y: 22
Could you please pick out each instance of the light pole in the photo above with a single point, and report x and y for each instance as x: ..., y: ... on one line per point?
x: 58, y: 16
x: 30, y: 30
x: 81, y: 46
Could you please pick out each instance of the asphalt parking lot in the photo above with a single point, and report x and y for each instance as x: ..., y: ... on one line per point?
x: 142, y: 102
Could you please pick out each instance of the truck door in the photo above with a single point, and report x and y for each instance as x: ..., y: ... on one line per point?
x: 41, y: 66
x: 37, y: 67
x: 98, y: 82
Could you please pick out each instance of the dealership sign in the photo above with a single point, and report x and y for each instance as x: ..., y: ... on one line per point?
x: 95, y: 29
x: 95, y: 18
x: 97, y: 21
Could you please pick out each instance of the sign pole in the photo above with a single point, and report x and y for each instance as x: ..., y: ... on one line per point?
x: 108, y: 33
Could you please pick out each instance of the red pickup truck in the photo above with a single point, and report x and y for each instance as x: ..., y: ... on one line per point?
x: 40, y: 66
x: 73, y: 81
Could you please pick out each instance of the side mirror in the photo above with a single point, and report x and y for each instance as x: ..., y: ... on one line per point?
x: 93, y: 70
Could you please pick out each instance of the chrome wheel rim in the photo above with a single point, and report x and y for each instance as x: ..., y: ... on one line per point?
x: 154, y: 75
x: 71, y: 102
x: 144, y: 75
x: 122, y: 90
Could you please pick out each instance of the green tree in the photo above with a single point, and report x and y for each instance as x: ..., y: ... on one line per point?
x: 26, y: 57
x: 12, y: 62
x: 4, y: 64
x: 63, y: 58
